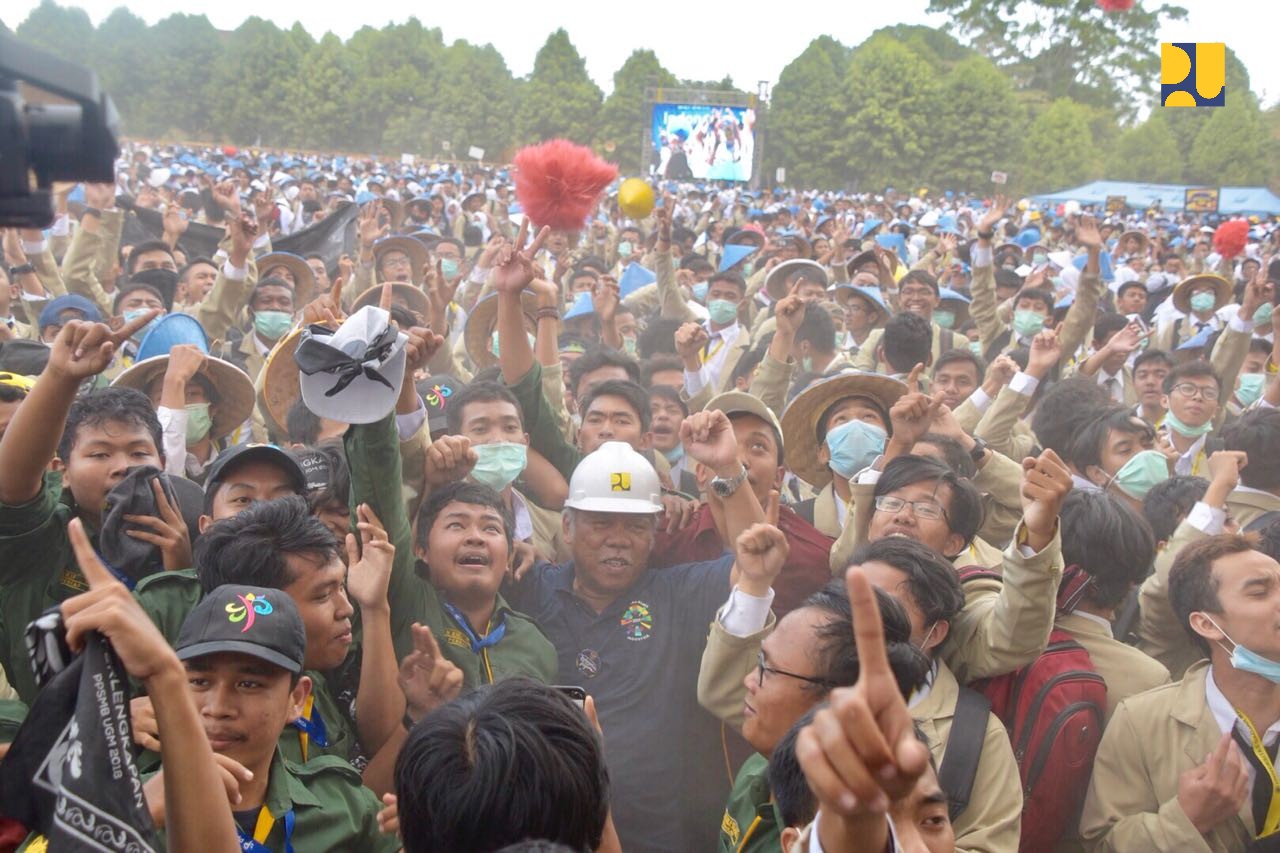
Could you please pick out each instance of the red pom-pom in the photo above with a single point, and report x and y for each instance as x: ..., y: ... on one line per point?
x: 1230, y: 238
x: 558, y: 183
x: 1116, y: 5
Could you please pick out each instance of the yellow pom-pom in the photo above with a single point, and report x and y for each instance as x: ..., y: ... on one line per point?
x: 635, y: 198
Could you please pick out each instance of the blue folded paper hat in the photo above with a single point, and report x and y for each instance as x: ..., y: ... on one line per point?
x: 1197, y: 341
x: 636, y: 276
x: 733, y: 254
x: 870, y: 226
x: 1105, y: 270
x: 896, y: 242
x: 581, y: 306
x: 945, y: 293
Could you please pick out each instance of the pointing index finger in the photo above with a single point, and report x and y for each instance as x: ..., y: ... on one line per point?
x: 90, y: 564
x: 388, y: 288
x: 538, y: 240
x: 913, y: 378
x: 868, y: 631
x: 128, y: 329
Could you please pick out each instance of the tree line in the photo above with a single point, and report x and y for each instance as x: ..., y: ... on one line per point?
x: 910, y: 106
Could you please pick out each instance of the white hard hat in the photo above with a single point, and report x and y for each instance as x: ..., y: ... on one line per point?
x: 614, y: 478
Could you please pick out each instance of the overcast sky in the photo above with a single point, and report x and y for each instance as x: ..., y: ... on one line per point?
x: 749, y: 41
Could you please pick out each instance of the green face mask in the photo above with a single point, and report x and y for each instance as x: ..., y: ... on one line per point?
x: 1185, y: 430
x: 1263, y: 315
x: 1039, y: 259
x: 198, y: 422
x: 722, y: 311
x: 449, y: 267
x: 945, y: 319
x: 1250, y: 388
x: 624, y: 249
x: 630, y: 347
x: 1141, y: 473
x: 1027, y: 323
x: 975, y: 347
x: 747, y: 269
x: 272, y: 325
x: 1202, y: 302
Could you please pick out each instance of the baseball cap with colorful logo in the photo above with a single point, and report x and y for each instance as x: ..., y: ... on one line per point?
x: 248, y: 620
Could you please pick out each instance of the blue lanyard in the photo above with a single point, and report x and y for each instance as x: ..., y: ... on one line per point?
x: 478, y: 644
x: 257, y: 843
x: 312, y: 725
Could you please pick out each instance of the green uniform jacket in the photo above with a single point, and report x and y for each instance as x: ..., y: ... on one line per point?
x: 37, y: 570
x: 332, y: 810
x: 168, y: 597
x: 373, y: 456
x: 751, y: 823
x: 539, y: 421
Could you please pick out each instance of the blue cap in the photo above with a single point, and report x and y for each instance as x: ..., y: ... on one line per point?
x: 871, y: 225
x: 1027, y: 237
x: 169, y: 331
x: 70, y: 302
x: 636, y: 276
x: 945, y: 293
x: 947, y: 224
x: 582, y: 306
x: 1065, y: 302
x: 734, y: 253
x: 364, y: 196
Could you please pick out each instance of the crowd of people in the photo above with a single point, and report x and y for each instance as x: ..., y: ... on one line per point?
x: 778, y: 521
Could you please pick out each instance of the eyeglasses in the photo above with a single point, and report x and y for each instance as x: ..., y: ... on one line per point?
x: 915, y: 292
x: 929, y: 510
x: 808, y: 679
x: 1190, y: 389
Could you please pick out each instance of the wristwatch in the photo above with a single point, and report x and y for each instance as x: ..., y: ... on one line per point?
x: 726, y: 487
x: 979, y: 449
x: 21, y: 269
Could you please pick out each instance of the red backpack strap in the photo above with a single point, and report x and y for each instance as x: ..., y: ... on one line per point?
x: 972, y: 573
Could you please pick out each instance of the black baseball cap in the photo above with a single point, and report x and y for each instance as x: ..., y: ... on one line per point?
x: 247, y: 620
x: 315, y: 465
x: 242, y: 453
x: 437, y: 393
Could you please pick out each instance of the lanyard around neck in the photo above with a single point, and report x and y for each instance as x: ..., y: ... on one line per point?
x: 1272, y: 821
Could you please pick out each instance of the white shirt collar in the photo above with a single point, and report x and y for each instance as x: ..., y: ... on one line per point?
x: 728, y: 333
x: 1224, y: 714
x: 1093, y: 617
x: 922, y: 692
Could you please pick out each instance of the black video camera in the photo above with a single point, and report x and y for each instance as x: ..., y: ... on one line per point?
x: 56, y: 124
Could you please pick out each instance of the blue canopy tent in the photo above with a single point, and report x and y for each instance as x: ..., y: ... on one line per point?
x: 1231, y: 200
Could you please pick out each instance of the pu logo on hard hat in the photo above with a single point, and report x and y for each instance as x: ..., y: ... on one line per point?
x: 1193, y: 74
x: 620, y: 482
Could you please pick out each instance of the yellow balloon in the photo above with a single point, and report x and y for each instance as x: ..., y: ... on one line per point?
x: 635, y: 198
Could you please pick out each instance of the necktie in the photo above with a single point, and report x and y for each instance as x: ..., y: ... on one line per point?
x: 1261, y: 796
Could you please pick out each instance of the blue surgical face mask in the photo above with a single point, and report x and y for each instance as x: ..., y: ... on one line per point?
x: 945, y: 319
x: 722, y: 311
x: 975, y: 347
x: 674, y: 455
x: 1250, y: 388
x: 1141, y: 473
x: 853, y: 446
x: 498, y: 464
x: 1186, y: 430
x: 1203, y: 301
x: 700, y: 289
x: 1247, y: 660
x: 1263, y: 315
x: 624, y: 248
x: 747, y: 269
x: 449, y: 267
x: 130, y: 316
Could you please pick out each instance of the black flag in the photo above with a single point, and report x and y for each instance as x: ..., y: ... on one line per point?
x: 70, y: 773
